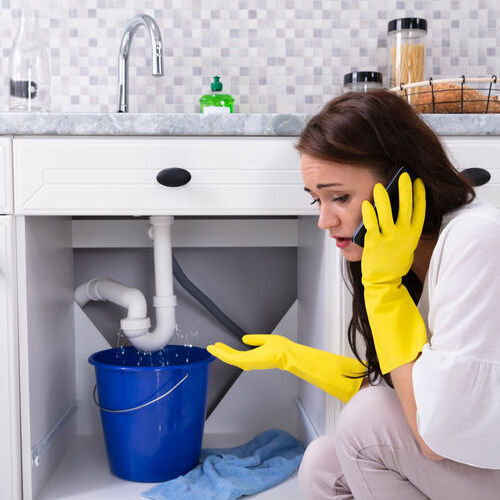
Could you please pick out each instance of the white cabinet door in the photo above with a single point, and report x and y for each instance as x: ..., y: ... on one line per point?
x: 6, y: 185
x: 10, y: 466
x: 478, y: 152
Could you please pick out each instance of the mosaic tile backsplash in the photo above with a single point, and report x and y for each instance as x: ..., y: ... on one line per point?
x: 273, y: 56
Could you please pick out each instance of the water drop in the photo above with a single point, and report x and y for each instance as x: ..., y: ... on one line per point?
x: 120, y: 351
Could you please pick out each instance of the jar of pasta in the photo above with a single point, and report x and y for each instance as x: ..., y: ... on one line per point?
x: 406, y: 46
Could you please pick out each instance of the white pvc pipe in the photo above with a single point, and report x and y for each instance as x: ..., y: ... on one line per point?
x: 108, y: 289
x: 130, y: 298
x: 136, y: 325
x: 162, y: 248
x: 164, y: 301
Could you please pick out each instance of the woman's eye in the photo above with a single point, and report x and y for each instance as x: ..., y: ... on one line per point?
x: 342, y: 199
x: 339, y: 199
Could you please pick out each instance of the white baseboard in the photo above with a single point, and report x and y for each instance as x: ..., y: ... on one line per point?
x: 309, y: 430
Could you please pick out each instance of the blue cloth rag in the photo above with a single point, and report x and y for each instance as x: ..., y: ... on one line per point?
x: 229, y: 473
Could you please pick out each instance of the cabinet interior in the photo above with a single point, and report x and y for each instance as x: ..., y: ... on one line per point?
x: 256, y: 286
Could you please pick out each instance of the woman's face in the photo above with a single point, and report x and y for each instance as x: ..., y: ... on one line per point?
x: 338, y: 190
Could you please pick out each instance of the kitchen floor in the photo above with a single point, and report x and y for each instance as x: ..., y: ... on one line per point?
x: 83, y: 474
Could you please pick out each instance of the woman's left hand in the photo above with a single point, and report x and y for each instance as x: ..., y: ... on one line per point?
x: 398, y: 330
x: 389, y: 246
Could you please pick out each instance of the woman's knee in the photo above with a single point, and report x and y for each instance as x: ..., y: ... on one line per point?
x: 319, y: 464
x: 373, y: 416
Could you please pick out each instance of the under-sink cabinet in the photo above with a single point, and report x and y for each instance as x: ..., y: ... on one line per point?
x: 244, y: 231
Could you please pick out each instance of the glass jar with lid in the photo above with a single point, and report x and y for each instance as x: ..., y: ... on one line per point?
x: 361, y: 81
x: 406, y: 38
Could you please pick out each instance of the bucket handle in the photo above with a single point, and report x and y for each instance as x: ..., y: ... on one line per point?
x: 141, y: 406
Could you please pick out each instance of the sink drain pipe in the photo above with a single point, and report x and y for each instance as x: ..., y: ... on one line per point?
x: 136, y: 324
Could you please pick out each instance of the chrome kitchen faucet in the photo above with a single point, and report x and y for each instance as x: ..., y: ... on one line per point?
x: 156, y: 46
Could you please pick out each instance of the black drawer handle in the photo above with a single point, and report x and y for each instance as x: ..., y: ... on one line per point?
x: 173, y: 177
x: 477, y: 176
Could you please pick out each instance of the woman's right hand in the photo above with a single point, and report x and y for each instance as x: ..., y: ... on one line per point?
x: 269, y: 352
x: 326, y: 370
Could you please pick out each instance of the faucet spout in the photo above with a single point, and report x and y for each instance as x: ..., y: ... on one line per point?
x: 157, y: 52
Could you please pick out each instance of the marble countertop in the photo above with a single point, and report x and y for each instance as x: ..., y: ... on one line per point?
x: 195, y: 124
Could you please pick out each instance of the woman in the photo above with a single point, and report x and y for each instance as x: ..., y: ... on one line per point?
x: 423, y: 403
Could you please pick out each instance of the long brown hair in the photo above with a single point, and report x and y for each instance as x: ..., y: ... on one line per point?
x: 381, y: 131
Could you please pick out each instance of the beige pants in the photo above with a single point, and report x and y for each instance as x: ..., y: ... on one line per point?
x: 374, y: 455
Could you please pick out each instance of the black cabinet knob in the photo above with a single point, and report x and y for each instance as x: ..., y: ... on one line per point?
x: 477, y: 176
x: 173, y: 177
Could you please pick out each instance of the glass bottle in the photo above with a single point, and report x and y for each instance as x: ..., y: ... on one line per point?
x: 29, y: 68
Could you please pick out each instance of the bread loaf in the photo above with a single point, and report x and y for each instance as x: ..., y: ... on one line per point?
x: 447, y: 99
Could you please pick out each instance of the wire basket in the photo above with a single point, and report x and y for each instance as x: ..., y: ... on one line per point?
x: 452, y: 95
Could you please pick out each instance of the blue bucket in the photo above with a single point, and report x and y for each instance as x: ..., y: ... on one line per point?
x: 152, y: 409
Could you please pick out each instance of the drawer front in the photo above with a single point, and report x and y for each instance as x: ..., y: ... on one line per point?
x: 482, y: 152
x: 229, y: 176
x: 6, y: 187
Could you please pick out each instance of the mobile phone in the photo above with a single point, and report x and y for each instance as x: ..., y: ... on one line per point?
x: 392, y: 190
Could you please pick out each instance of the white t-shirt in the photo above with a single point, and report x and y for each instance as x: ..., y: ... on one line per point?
x: 456, y: 379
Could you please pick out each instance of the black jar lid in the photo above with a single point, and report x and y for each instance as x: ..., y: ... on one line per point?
x: 407, y: 23
x: 363, y: 76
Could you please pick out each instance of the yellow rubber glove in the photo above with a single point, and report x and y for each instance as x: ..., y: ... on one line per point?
x: 397, y: 327
x: 322, y: 369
